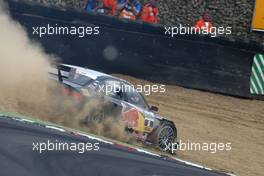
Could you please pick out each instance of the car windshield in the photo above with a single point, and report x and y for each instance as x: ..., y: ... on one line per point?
x: 135, y: 98
x: 122, y: 90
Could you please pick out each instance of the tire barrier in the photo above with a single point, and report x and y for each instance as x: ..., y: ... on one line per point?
x: 143, y: 50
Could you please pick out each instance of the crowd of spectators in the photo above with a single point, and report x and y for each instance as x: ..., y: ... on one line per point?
x: 128, y: 9
x: 225, y: 13
x: 133, y: 10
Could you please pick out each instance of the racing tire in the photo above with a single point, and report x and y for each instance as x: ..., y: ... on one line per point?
x: 166, y: 136
x: 97, y: 116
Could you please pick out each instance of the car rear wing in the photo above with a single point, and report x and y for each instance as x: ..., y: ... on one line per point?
x: 62, y: 72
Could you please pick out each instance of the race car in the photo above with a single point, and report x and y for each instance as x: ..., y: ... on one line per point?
x: 120, y: 99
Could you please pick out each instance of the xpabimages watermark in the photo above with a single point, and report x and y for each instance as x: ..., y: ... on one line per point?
x: 191, y: 30
x: 144, y: 89
x: 212, y: 147
x: 64, y: 146
x: 79, y: 31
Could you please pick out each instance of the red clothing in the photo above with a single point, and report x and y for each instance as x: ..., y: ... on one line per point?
x: 203, y: 25
x: 111, y: 5
x: 150, y: 14
x: 127, y: 15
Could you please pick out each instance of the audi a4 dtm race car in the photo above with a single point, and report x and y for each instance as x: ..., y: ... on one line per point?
x: 121, y: 100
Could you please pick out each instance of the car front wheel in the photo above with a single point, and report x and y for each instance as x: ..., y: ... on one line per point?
x: 166, y: 136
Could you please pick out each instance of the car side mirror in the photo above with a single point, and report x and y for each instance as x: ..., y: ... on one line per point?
x: 154, y: 108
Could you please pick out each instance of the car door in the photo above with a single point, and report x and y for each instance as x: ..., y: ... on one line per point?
x: 113, y: 96
x: 137, y: 114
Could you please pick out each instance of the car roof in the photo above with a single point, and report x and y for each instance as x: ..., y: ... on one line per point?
x: 87, y: 72
x: 93, y: 74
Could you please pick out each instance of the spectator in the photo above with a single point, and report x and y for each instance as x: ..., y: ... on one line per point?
x: 121, y: 4
x: 130, y: 9
x: 150, y: 12
x: 110, y: 7
x: 94, y: 6
x: 204, y: 24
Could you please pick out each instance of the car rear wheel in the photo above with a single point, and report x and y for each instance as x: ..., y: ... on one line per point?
x: 100, y: 114
x: 97, y: 116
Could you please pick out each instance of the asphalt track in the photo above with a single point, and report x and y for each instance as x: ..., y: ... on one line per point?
x: 17, y: 157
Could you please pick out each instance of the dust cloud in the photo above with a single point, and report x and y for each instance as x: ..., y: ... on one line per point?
x: 23, y: 66
x: 25, y: 87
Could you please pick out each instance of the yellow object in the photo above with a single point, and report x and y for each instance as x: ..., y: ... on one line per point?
x: 258, y: 19
x: 141, y: 121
